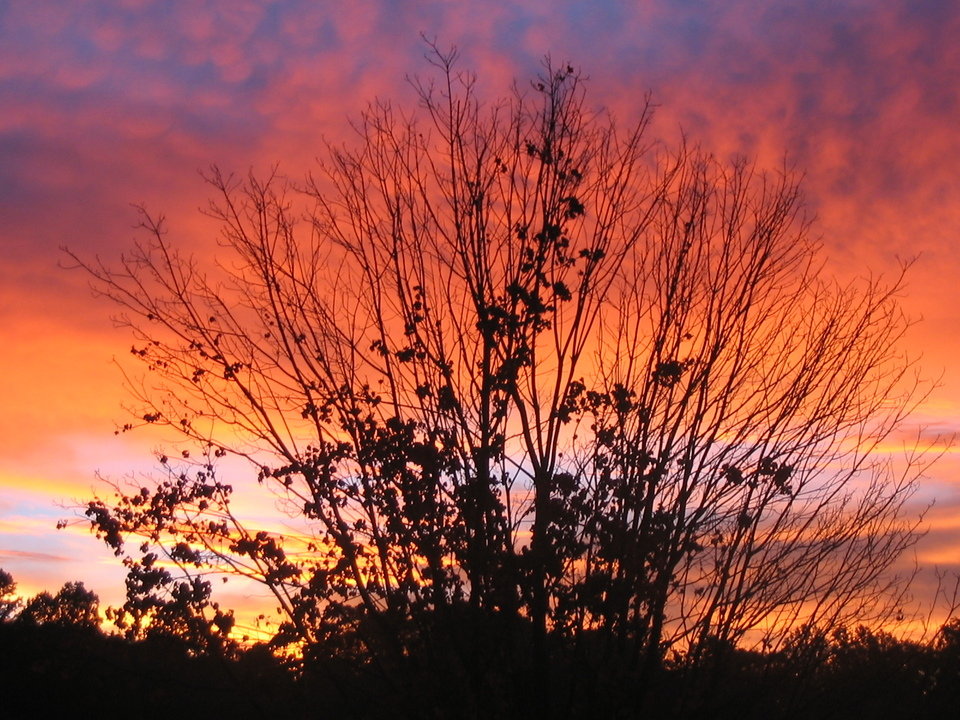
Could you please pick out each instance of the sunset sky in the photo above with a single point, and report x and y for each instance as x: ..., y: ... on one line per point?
x: 108, y: 104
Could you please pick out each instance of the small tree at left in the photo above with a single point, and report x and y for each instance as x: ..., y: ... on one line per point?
x: 9, y: 602
x: 73, y: 605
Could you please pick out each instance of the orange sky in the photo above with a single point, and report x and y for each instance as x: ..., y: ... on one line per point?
x: 104, y: 104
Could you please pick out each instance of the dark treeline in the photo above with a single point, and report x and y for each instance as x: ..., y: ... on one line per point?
x: 56, y: 660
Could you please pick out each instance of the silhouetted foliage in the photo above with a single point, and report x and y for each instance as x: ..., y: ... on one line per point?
x: 161, y: 608
x: 945, y: 675
x: 73, y: 606
x: 550, y: 411
x: 53, y: 669
x: 9, y: 602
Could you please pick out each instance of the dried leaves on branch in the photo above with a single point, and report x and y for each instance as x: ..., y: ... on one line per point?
x: 529, y: 392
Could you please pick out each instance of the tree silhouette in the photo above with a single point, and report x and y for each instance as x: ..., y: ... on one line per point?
x: 538, y: 400
x: 56, y: 658
x: 72, y: 606
x: 9, y: 602
x: 159, y: 607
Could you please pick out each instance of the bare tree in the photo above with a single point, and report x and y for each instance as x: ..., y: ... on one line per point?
x: 531, y: 387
